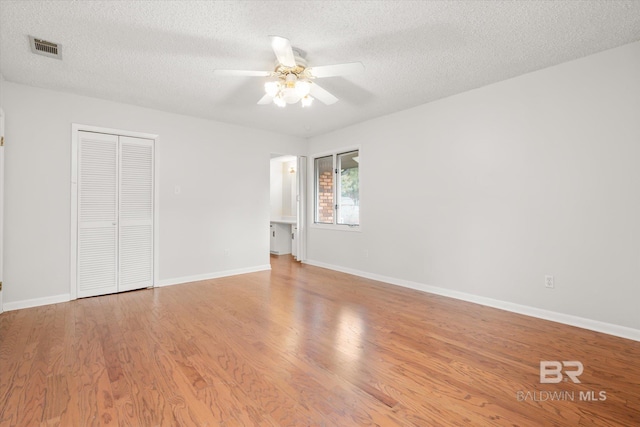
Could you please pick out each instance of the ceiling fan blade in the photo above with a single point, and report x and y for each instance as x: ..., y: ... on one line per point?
x: 245, y: 73
x: 265, y: 100
x: 336, y: 70
x: 284, y: 52
x: 319, y: 93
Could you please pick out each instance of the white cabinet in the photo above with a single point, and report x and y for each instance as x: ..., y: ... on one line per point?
x: 280, y: 238
x: 272, y: 237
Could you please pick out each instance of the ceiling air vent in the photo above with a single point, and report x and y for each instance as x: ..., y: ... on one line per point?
x: 43, y: 47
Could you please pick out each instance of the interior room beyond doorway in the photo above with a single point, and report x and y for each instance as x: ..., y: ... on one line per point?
x: 284, y: 207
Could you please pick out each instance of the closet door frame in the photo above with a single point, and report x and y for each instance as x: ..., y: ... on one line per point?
x: 73, y: 252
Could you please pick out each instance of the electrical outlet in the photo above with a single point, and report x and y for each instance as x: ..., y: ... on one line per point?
x: 549, y: 282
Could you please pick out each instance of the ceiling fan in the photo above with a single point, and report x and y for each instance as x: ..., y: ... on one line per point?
x: 292, y: 80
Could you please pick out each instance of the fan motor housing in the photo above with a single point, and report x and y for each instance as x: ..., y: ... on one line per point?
x: 301, y: 64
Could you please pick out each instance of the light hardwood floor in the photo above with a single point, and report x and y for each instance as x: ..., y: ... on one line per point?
x: 302, y: 346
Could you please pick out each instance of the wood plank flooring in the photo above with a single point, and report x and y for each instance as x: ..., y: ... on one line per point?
x: 302, y: 346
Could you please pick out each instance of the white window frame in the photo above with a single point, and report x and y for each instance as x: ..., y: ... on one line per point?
x: 312, y: 190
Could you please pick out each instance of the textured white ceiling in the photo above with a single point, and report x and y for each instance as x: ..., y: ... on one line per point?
x: 161, y: 54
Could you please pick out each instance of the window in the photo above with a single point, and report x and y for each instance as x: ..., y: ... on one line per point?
x: 337, y: 189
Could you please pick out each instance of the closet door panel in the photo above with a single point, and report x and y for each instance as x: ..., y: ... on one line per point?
x: 136, y: 213
x: 97, y: 214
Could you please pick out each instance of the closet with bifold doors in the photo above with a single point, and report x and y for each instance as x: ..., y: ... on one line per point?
x: 115, y: 213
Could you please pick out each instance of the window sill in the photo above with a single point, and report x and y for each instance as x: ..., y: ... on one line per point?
x: 335, y: 227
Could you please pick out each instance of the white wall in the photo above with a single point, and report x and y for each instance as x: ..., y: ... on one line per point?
x: 283, y: 188
x: 486, y: 192
x: 276, y: 188
x: 288, y: 189
x: 222, y: 171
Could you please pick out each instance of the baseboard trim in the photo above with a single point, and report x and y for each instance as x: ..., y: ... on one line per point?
x: 36, y: 302
x: 209, y: 276
x: 567, y: 319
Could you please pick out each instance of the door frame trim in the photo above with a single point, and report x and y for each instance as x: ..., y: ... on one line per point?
x: 301, y: 200
x: 1, y: 207
x: 73, y: 247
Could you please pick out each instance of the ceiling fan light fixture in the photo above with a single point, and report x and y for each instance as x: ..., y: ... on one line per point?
x: 292, y: 80
x: 272, y: 88
x: 306, y: 101
x: 303, y: 88
x: 289, y: 95
x: 279, y: 102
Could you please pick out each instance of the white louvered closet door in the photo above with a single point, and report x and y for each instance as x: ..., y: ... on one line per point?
x: 115, y: 213
x: 97, y: 214
x: 136, y: 214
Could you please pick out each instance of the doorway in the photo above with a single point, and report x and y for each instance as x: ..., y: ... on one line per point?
x: 287, y: 214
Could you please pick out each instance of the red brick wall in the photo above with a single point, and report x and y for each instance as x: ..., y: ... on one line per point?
x: 325, y: 197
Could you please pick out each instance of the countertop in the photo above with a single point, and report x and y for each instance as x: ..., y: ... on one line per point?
x: 284, y: 221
